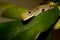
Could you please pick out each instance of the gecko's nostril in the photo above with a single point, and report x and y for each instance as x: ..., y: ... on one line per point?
x: 43, y: 9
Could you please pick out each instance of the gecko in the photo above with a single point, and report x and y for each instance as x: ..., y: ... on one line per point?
x: 36, y: 11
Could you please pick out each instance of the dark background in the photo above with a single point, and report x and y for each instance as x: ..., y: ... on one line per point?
x: 25, y: 3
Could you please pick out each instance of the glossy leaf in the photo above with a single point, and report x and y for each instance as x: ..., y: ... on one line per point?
x: 14, y: 12
x: 57, y: 25
x: 16, y: 30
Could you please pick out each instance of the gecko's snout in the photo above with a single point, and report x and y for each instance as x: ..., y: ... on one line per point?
x: 26, y: 15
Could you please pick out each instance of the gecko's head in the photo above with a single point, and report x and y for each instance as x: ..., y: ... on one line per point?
x: 27, y: 15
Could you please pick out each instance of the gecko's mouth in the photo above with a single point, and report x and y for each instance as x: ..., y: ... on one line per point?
x: 27, y: 21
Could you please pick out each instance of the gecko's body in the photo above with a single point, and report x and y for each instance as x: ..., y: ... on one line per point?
x: 34, y: 12
x: 39, y: 9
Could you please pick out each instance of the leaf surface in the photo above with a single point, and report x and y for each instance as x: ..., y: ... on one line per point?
x: 16, y: 30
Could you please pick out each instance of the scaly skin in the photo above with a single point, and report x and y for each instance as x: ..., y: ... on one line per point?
x: 36, y: 11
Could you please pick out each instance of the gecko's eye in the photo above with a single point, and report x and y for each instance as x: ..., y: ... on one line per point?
x: 29, y: 12
x: 43, y: 9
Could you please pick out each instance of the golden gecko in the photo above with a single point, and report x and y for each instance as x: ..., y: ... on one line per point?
x: 36, y: 11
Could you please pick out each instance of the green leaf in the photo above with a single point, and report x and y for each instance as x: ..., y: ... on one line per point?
x: 14, y: 12
x: 57, y: 25
x: 16, y: 30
